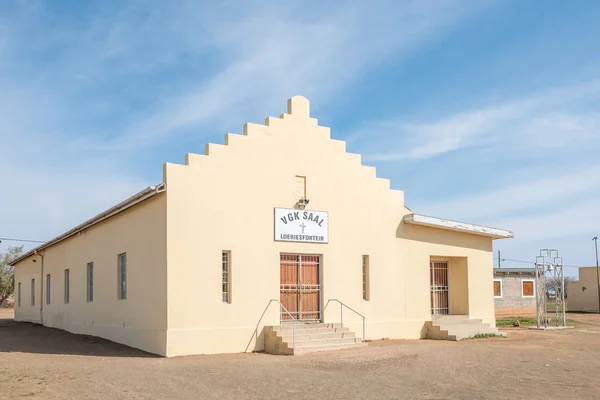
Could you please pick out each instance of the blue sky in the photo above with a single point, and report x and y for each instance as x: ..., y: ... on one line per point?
x: 482, y: 111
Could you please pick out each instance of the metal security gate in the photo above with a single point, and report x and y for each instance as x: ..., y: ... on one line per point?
x: 300, y: 287
x: 439, y: 288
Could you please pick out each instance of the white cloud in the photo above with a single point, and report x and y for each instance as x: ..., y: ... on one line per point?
x: 574, y: 219
x: 548, y: 119
x: 274, y: 55
x: 551, y: 211
x: 85, y: 92
x: 568, y: 229
x: 522, y: 196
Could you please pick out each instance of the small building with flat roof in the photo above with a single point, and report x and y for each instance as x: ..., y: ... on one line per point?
x: 514, y: 292
x: 582, y: 294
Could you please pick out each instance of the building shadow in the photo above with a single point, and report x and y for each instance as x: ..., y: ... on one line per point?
x: 26, y: 337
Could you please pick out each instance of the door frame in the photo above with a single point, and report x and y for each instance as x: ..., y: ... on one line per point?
x: 320, y: 284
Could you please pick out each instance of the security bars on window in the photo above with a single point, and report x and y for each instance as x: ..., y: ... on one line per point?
x: 365, y: 278
x: 122, y: 276
x: 226, y: 276
x: 90, y: 282
x: 67, y: 286
x: 48, y: 286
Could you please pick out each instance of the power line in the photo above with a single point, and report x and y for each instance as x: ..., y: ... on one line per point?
x: 21, y: 240
x: 532, y: 262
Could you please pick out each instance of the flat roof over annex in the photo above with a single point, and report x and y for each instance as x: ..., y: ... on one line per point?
x: 440, y: 223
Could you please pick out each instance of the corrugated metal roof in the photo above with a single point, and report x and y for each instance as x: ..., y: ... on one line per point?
x: 124, y: 205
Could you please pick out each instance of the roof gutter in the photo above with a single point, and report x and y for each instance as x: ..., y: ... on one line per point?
x: 446, y: 224
x: 145, y: 194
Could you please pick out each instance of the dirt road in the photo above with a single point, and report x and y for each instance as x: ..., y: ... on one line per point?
x: 41, y: 363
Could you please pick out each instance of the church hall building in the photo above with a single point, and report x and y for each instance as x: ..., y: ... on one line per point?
x: 277, y: 240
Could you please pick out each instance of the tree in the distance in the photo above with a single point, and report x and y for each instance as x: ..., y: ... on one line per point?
x: 7, y: 276
x: 553, y: 286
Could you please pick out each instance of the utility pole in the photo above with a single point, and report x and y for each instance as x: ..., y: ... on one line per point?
x: 498, y: 258
x: 595, y: 239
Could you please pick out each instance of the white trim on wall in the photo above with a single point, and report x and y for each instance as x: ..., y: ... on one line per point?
x: 500, y: 280
x: 527, y: 280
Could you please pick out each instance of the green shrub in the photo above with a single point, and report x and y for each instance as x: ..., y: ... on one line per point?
x: 484, y: 336
x: 509, y: 321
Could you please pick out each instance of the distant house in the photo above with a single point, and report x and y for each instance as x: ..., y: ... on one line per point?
x: 514, y: 291
x: 583, y: 294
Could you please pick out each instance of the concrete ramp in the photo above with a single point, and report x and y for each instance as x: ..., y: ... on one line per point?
x: 458, y: 327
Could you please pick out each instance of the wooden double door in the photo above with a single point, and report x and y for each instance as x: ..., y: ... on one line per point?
x: 300, y: 286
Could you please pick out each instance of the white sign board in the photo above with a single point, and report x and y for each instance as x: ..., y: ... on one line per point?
x: 292, y: 225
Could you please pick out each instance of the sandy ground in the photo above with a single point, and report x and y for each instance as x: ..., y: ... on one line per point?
x: 42, y: 363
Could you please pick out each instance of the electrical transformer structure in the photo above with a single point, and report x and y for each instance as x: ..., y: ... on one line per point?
x: 550, y: 282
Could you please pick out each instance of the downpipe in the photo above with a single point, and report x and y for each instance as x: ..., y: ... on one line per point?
x: 41, y: 286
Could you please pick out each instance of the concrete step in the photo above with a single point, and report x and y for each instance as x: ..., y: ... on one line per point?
x: 287, y: 332
x: 308, y: 338
x: 300, y: 325
x: 444, y: 321
x: 327, y: 347
x: 321, y: 342
x: 457, y: 328
x: 319, y: 335
x: 483, y: 328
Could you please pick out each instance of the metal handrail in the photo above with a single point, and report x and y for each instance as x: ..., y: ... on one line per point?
x: 280, y: 320
x: 342, y: 305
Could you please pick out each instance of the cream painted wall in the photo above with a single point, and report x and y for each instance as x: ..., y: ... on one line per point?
x: 424, y: 243
x: 225, y: 199
x: 459, y: 285
x: 140, y: 320
x: 583, y: 300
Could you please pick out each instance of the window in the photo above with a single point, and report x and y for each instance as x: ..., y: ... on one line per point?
x: 48, y: 289
x: 226, y: 281
x: 498, y: 288
x: 33, y: 292
x: 365, y: 278
x: 90, y: 281
x: 300, y: 187
x: 528, y: 289
x: 19, y: 295
x: 122, y: 271
x: 67, y: 286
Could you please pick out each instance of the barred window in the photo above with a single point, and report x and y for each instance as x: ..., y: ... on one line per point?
x: 33, y: 292
x: 122, y: 271
x: 226, y: 272
x: 67, y: 286
x: 90, y: 282
x: 366, y: 290
x: 48, y: 285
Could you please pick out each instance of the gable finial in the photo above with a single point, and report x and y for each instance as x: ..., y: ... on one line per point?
x: 299, y: 106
